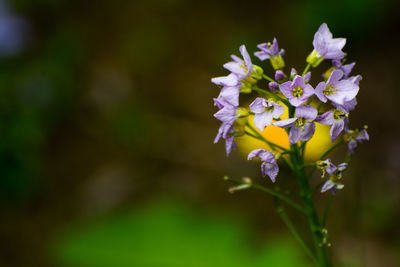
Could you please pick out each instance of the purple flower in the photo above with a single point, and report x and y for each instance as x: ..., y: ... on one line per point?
x: 231, y: 88
x: 269, y: 165
x: 297, y: 91
x: 269, y: 50
x: 355, y: 79
x: 354, y: 137
x: 272, y: 52
x: 326, y: 46
x: 333, y: 183
x: 326, y: 167
x: 264, y: 112
x: 336, y: 90
x: 226, y: 131
x: 241, y: 68
x: 303, y: 126
x: 337, y: 118
x: 227, y: 113
x: 345, y: 68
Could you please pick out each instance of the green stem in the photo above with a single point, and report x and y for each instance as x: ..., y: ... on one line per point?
x: 292, y: 229
x: 268, y: 78
x: 262, y: 138
x: 306, y: 69
x: 326, y: 211
x: 269, y: 191
x: 270, y: 94
x: 309, y: 207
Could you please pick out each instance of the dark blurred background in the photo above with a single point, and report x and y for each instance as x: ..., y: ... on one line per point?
x: 106, y: 131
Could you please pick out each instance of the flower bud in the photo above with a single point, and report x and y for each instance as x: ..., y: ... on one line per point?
x: 277, y: 62
x: 257, y: 72
x: 273, y: 86
x: 246, y: 86
x: 242, y: 112
x: 314, y: 58
x: 328, y: 73
x: 279, y: 75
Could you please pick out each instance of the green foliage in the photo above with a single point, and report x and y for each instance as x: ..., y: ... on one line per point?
x: 169, y: 234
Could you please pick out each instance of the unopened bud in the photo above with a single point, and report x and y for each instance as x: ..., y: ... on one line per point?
x: 273, y: 86
x: 314, y: 58
x: 277, y: 62
x: 257, y: 72
x: 279, y: 75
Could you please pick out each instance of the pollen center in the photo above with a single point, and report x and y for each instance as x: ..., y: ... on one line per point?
x: 300, y: 122
x: 329, y: 89
x: 339, y: 115
x: 297, y: 91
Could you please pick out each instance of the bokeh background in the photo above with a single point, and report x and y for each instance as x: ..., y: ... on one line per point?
x: 106, y: 130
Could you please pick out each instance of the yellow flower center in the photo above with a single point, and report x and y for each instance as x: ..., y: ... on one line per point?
x: 297, y: 91
x: 329, y: 89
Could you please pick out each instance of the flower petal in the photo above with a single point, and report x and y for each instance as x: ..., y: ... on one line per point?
x: 294, y: 135
x: 258, y: 105
x: 308, y: 132
x: 326, y: 118
x: 319, y: 92
x: 336, y: 75
x: 262, y: 120
x: 285, y: 123
x: 336, y: 129
x: 307, y: 112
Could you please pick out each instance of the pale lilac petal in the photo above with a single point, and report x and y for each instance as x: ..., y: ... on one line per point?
x: 278, y: 110
x: 261, y: 55
x: 293, y: 72
x: 264, y: 155
x: 230, y: 94
x: 246, y: 58
x: 324, y: 31
x: 328, y: 185
x: 258, y: 105
x: 285, y: 123
x: 229, y: 145
x: 352, y: 145
x: 294, y: 135
x: 270, y: 169
x: 307, y: 76
x: 319, y: 44
x: 298, y: 81
x: 355, y: 79
x: 308, y: 131
x: 234, y: 68
x: 346, y: 91
x: 319, y: 92
x: 286, y: 89
x: 308, y: 91
x: 262, y: 120
x: 230, y: 80
x: 237, y: 59
x: 336, y: 129
x: 336, y: 75
x: 227, y: 114
x: 297, y: 101
x: 274, y: 49
x: 326, y: 118
x: 347, y: 69
x: 306, y: 111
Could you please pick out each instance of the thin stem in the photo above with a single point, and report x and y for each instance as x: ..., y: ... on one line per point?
x: 262, y: 138
x: 306, y: 69
x: 311, y: 213
x: 271, y: 94
x: 287, y: 163
x: 268, y: 78
x: 326, y: 211
x: 292, y: 229
x: 269, y: 191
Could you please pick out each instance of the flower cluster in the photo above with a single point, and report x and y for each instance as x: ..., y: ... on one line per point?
x: 328, y: 102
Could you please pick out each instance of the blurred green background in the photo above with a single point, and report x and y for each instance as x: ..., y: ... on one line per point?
x: 106, y: 130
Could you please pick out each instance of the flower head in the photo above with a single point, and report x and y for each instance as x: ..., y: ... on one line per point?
x: 264, y: 112
x: 240, y: 67
x: 302, y: 126
x: 272, y: 52
x: 354, y: 137
x: 338, y: 118
x: 336, y: 90
x: 333, y: 183
x: 296, y: 91
x: 326, y: 46
x: 326, y: 167
x: 269, y: 166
